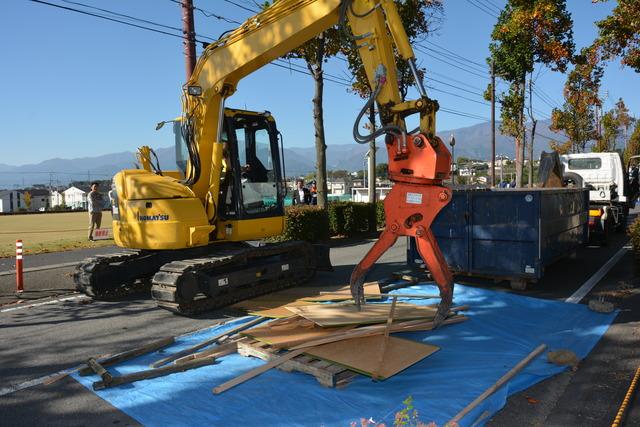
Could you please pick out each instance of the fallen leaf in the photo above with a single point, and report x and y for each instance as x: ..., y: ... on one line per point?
x: 531, y: 400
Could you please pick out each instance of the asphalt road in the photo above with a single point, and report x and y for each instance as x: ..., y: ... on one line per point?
x: 46, y: 339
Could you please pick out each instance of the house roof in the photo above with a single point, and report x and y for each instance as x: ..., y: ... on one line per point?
x: 84, y: 190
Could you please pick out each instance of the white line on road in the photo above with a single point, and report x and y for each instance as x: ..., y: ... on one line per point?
x: 36, y: 381
x: 593, y: 280
x: 37, y: 304
x: 41, y: 268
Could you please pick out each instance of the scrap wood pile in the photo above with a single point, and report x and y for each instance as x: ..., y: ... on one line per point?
x: 332, y: 341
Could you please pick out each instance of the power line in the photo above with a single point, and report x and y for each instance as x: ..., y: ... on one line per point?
x: 241, y: 6
x: 444, y: 76
x: 108, y: 18
x: 483, y: 66
x: 463, y: 62
x: 208, y: 13
x: 491, y: 6
x: 483, y: 8
x: 450, y: 64
x: 122, y: 15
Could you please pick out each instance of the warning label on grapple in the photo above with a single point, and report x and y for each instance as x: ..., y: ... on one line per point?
x: 414, y: 198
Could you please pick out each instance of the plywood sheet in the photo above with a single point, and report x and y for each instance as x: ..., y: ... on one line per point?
x: 363, y: 354
x: 297, y: 296
x: 279, y: 312
x: 328, y: 315
x: 294, y: 331
x: 371, y: 291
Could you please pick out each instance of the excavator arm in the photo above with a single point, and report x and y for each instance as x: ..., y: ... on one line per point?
x: 418, y: 160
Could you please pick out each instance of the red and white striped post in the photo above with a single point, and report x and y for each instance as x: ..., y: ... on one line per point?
x: 19, y: 278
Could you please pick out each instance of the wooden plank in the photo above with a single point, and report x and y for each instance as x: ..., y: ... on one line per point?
x: 98, y: 369
x: 373, y: 330
x: 506, y: 377
x: 130, y: 354
x: 216, y: 352
x: 385, y: 340
x: 371, y: 291
x: 332, y: 315
x: 363, y: 354
x: 256, y: 371
x: 153, y: 373
x: 296, y: 331
x: 206, y: 343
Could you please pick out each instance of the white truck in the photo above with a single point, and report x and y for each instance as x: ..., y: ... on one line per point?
x: 613, y: 190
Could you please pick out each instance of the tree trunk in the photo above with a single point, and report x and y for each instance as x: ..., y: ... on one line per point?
x: 372, y: 157
x: 318, y: 123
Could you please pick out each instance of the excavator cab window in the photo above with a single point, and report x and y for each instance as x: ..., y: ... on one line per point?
x: 253, y: 154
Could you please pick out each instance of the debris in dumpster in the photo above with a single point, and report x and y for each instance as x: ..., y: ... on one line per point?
x: 506, y: 377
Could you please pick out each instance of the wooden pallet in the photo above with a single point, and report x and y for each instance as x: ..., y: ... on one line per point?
x: 327, y: 373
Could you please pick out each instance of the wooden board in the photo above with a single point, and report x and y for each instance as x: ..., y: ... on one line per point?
x: 296, y: 331
x: 298, y: 296
x: 328, y: 315
x: 362, y: 354
x: 281, y: 311
x: 371, y: 290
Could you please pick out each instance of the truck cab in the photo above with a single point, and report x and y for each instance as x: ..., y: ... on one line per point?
x: 610, y: 192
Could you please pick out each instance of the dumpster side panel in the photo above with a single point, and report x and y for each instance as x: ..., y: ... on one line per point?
x: 451, y: 231
x: 505, y: 234
x: 564, y: 216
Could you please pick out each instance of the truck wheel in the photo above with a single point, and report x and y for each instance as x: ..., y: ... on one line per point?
x: 518, y: 284
x: 572, y: 179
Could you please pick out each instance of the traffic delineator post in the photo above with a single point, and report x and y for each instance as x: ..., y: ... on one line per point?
x: 19, y: 277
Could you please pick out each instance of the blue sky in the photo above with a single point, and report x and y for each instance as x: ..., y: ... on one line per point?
x: 73, y: 85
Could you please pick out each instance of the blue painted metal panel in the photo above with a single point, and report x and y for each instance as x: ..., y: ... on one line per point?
x: 512, y: 233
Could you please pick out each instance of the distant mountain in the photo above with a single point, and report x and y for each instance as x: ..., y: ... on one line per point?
x: 473, y: 142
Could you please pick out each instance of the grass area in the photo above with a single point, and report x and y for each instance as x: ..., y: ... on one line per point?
x: 48, y: 232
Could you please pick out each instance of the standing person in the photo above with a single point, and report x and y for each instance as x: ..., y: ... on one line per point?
x: 314, y: 194
x: 301, y: 195
x: 95, y: 205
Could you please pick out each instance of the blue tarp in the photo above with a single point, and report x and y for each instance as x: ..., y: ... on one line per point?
x: 503, y: 328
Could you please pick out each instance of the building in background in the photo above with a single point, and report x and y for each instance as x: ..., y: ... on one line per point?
x: 11, y: 201
x: 76, y: 198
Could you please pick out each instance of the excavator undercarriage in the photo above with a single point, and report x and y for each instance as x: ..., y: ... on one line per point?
x: 196, y: 280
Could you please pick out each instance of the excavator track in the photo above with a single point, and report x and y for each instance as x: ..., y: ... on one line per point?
x: 232, y: 274
x: 192, y: 281
x: 110, y: 276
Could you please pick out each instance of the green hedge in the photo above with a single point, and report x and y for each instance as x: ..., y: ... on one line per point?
x: 380, y: 217
x: 350, y: 218
x: 308, y: 223
x: 634, y: 234
x: 313, y: 224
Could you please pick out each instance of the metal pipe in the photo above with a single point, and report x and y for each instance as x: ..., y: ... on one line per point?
x: 414, y: 71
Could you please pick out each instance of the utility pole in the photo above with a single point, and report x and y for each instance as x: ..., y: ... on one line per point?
x: 189, y: 36
x: 493, y: 125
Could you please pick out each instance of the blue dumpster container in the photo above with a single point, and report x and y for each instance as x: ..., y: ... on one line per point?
x: 509, y: 234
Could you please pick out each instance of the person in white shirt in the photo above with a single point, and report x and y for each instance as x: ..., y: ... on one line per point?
x: 301, y: 195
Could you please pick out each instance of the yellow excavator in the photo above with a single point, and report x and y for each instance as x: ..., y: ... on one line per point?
x: 188, y: 231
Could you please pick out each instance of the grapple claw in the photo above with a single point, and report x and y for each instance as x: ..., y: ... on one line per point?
x: 443, y: 310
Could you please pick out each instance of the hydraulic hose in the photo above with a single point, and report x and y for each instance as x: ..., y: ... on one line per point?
x: 364, y: 139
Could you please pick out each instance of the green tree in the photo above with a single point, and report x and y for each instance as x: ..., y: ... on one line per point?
x: 633, y: 145
x: 610, y: 133
x: 576, y: 118
x: 382, y: 170
x: 528, y: 32
x: 619, y: 34
x: 624, y: 119
x: 315, y: 53
x: 27, y: 199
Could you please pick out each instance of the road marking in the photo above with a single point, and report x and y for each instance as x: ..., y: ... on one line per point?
x: 37, y: 381
x: 37, y: 304
x: 43, y: 267
x: 593, y: 280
